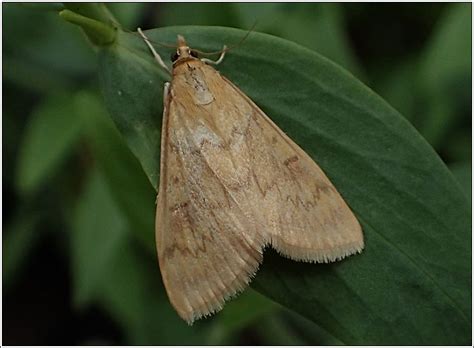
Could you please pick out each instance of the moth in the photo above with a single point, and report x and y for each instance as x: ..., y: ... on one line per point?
x: 232, y: 183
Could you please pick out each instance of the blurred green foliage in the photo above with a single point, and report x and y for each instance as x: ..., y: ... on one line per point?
x: 68, y: 175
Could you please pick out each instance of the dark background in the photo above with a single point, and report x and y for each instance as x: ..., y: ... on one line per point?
x: 416, y: 56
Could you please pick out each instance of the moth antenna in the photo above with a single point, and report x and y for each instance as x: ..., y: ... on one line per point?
x: 228, y: 48
x: 151, y: 41
x: 155, y: 54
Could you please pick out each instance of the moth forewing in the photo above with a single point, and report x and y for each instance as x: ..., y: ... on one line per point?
x: 232, y: 182
x: 310, y: 200
x: 206, y: 247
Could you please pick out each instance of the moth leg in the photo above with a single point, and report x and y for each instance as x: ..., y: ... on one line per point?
x: 221, y: 58
x: 166, y: 90
x: 155, y: 54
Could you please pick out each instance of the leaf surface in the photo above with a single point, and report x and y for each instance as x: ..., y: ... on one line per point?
x: 445, y: 75
x: 98, y: 229
x: 50, y: 136
x: 127, y: 183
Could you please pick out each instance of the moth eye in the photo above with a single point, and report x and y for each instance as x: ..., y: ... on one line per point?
x: 194, y: 54
x: 174, y: 57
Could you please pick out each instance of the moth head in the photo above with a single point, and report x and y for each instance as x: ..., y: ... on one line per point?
x: 183, y: 51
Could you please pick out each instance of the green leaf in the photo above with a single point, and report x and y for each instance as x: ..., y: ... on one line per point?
x: 415, y: 270
x: 98, y: 32
x: 96, y: 11
x: 52, y: 59
x: 294, y: 22
x: 244, y: 311
x: 50, y: 6
x: 175, y: 13
x: 128, y: 13
x: 399, y: 88
x: 463, y: 173
x: 308, y: 331
x: 52, y: 131
x: 98, y: 230
x: 445, y: 74
x: 450, y: 43
x: 276, y: 332
x: 288, y: 328
x: 124, y: 175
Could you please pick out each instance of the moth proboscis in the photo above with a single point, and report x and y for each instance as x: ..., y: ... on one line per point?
x: 231, y: 183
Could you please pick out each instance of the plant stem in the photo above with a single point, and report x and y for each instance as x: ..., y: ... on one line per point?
x: 97, y: 11
x: 99, y: 33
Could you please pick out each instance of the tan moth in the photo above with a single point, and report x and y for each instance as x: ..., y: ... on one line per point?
x: 231, y: 183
